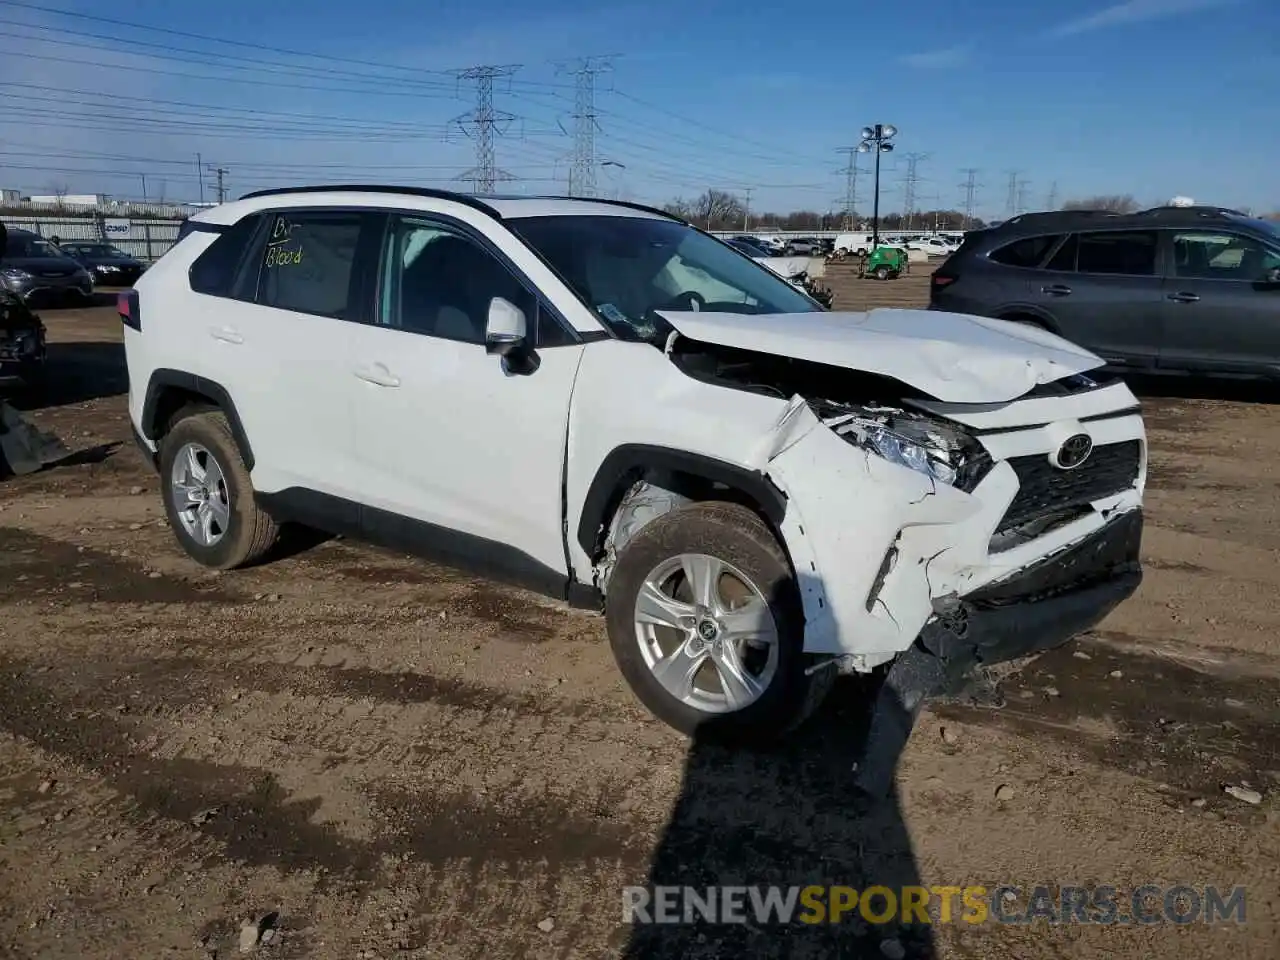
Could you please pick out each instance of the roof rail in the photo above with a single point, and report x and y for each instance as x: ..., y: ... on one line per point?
x: 464, y: 198
x: 1193, y: 211
x: 1054, y: 216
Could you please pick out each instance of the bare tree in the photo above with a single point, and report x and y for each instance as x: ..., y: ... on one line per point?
x: 59, y: 189
x: 1115, y: 203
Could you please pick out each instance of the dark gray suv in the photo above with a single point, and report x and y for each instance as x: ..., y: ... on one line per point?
x: 1173, y: 289
x: 33, y: 266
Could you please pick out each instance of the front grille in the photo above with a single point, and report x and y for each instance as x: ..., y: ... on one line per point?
x: 1045, y: 489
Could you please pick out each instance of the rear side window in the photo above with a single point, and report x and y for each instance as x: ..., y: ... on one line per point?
x: 1126, y: 253
x: 307, y: 262
x: 214, y: 271
x: 1027, y: 252
x: 1064, y: 259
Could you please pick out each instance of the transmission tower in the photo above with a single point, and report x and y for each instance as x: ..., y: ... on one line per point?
x: 482, y: 124
x: 970, y: 187
x: 912, y: 178
x: 1011, y: 204
x: 1022, y: 195
x: 582, y: 174
x: 1051, y: 202
x: 850, y: 172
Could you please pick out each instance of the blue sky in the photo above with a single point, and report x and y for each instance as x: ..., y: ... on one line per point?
x: 1149, y: 97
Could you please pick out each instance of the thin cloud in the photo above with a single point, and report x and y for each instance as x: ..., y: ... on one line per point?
x: 1132, y: 12
x: 938, y: 59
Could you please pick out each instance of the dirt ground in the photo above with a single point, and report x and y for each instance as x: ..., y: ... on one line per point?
x: 374, y: 757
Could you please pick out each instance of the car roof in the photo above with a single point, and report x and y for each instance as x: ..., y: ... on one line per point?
x: 1063, y: 221
x: 499, y: 206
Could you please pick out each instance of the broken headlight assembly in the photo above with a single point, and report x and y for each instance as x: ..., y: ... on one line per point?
x: 942, y: 451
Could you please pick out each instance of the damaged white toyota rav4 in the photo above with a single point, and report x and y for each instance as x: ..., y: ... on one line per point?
x: 600, y: 402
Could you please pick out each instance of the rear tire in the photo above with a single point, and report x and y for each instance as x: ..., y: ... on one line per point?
x: 882, y: 273
x: 208, y: 496
x: 678, y: 668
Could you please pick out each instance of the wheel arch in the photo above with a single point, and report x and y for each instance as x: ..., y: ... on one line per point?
x: 695, y: 475
x: 169, y: 391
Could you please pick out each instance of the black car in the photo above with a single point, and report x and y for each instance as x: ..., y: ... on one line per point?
x: 111, y: 266
x: 22, y: 338
x: 35, y: 267
x: 1173, y: 289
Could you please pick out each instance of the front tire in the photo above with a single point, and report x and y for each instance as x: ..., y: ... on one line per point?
x: 706, y: 625
x: 208, y: 496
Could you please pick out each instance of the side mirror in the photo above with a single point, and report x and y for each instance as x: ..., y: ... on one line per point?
x: 506, y: 330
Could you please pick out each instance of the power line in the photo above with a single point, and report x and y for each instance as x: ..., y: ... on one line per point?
x: 582, y: 176
x: 482, y: 124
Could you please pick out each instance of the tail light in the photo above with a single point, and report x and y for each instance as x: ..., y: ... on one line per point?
x: 941, y: 279
x: 127, y: 307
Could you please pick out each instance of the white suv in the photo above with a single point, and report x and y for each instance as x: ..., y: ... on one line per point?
x: 602, y: 403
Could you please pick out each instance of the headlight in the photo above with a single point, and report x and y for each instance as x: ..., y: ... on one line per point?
x: 106, y: 268
x: 14, y: 273
x: 939, y: 450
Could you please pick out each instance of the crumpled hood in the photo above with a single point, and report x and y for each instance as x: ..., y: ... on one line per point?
x: 953, y: 357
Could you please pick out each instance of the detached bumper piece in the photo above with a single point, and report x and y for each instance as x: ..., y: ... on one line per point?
x: 1038, y: 609
x: 1045, y: 605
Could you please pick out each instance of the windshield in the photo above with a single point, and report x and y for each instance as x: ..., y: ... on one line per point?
x: 627, y: 269
x: 30, y: 247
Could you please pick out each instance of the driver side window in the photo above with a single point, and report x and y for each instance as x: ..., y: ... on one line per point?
x: 439, y: 282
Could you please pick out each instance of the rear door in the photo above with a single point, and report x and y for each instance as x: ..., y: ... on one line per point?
x: 1102, y: 289
x: 1220, y: 313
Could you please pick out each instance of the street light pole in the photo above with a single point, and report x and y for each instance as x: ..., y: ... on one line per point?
x: 877, y: 139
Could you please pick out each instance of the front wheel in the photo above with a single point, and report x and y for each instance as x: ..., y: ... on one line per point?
x: 705, y: 623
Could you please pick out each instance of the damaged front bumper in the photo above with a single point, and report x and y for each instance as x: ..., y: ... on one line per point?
x: 1045, y: 605
x: 1023, y: 560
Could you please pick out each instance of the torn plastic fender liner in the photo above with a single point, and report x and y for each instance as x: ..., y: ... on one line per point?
x: 861, y: 506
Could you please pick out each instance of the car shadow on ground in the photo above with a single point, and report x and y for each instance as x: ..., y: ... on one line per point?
x: 785, y: 818
x: 75, y: 373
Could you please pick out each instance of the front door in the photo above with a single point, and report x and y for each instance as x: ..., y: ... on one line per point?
x: 1221, y: 315
x: 450, y: 437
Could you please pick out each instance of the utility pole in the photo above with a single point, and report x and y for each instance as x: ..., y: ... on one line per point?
x: 220, y: 173
x: 850, y: 172
x: 909, y: 195
x: 746, y: 210
x: 200, y: 174
x: 1051, y: 202
x: 482, y: 124
x: 970, y: 187
x: 144, y: 187
x: 1011, y: 204
x: 582, y: 175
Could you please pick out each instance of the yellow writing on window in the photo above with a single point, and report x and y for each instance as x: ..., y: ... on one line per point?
x: 278, y: 257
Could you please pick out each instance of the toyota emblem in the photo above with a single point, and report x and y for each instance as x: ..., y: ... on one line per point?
x: 1074, y: 451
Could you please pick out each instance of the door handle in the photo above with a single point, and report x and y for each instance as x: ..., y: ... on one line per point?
x: 225, y: 334
x: 1183, y: 297
x: 1056, y: 290
x: 378, y: 375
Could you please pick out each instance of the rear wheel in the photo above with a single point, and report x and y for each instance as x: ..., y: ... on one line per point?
x: 882, y: 273
x: 705, y: 623
x: 208, y: 496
